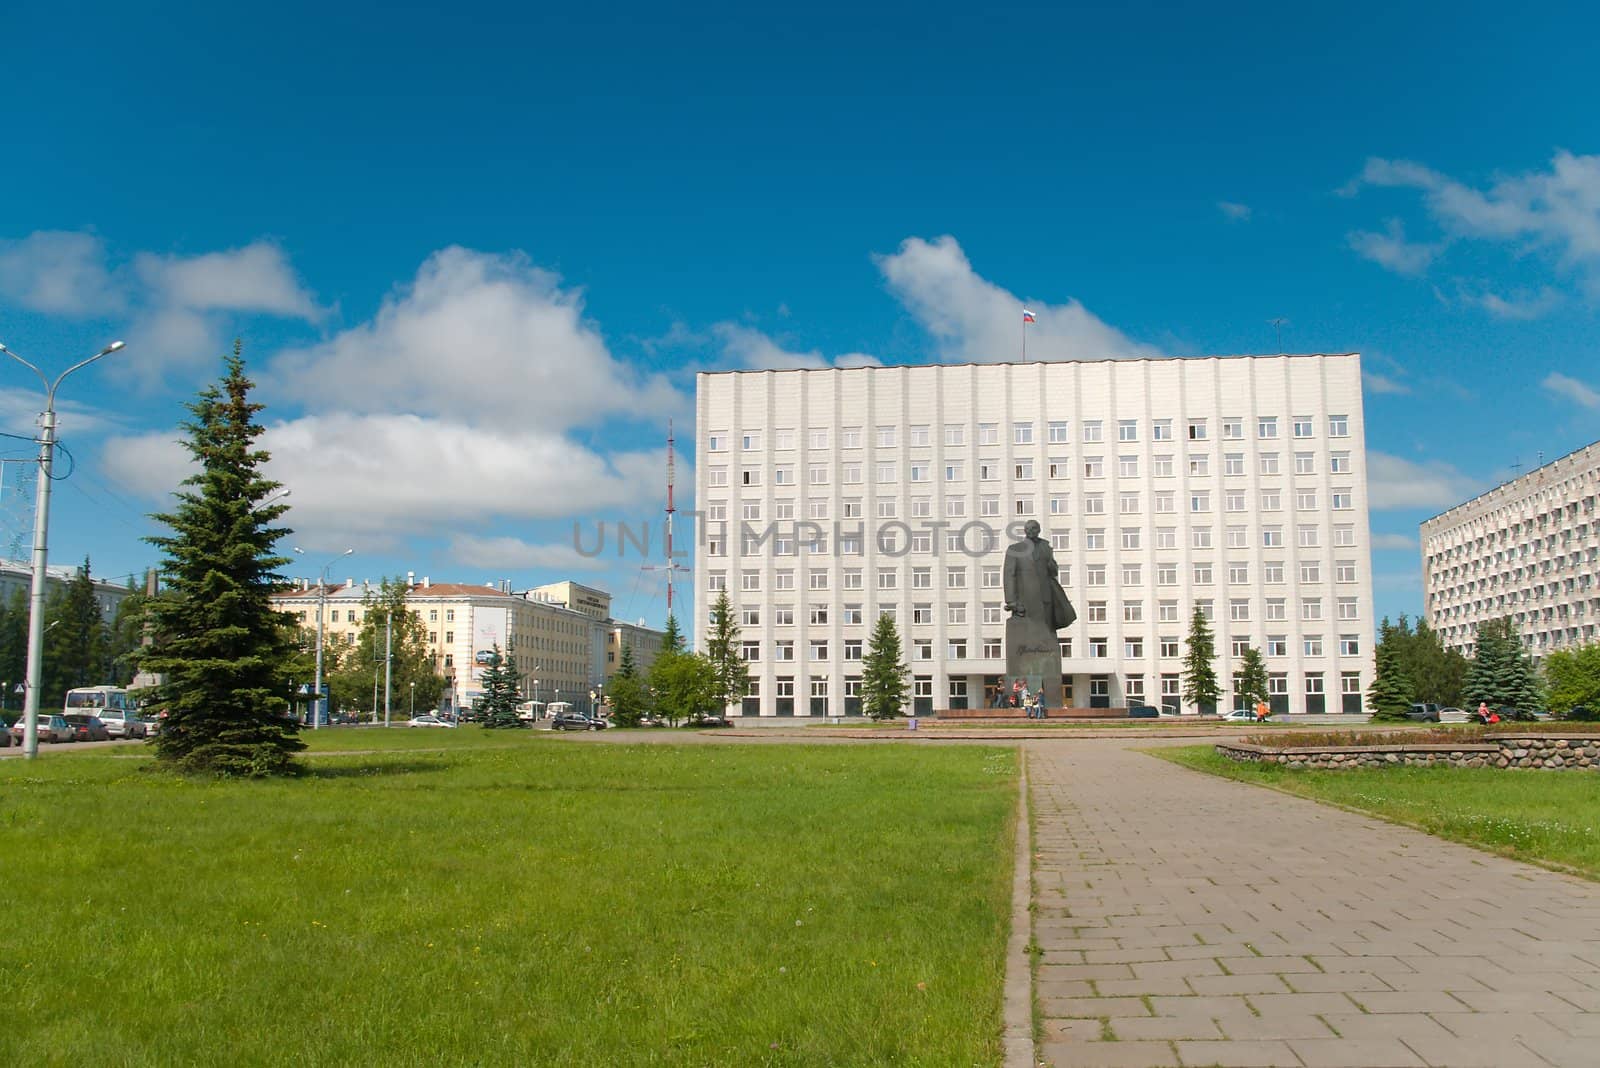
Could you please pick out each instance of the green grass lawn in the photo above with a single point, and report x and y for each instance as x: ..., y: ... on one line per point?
x: 516, y: 899
x: 1545, y: 817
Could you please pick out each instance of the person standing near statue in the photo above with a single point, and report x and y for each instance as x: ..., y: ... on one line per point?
x: 1039, y: 607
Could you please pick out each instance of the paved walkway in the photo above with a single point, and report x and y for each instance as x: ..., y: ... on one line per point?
x: 1189, y: 920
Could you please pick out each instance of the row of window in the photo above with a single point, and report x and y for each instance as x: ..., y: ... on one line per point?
x: 1133, y: 648
x: 1132, y: 611
x: 852, y: 473
x: 1133, y: 686
x: 977, y: 539
x: 1056, y: 431
x: 955, y: 576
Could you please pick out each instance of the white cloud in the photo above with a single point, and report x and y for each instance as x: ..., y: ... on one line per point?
x: 255, y: 278
x: 1393, y: 541
x: 748, y: 347
x: 59, y: 273
x: 1234, y: 212
x: 372, y: 478
x: 1397, y: 483
x: 971, y: 318
x: 1521, y: 307
x: 481, y: 338
x: 508, y: 553
x: 1572, y: 389
x: 1557, y: 210
x: 1377, y: 383
x: 1392, y: 250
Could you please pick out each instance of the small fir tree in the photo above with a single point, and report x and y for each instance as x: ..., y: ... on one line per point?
x: 76, y: 641
x: 1200, y: 685
x: 731, y: 674
x: 1252, y: 678
x: 218, y: 641
x: 883, y: 673
x: 671, y: 637
x: 498, y: 706
x: 1391, y: 690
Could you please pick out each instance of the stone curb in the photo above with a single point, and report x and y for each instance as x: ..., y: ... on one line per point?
x: 1017, y: 1037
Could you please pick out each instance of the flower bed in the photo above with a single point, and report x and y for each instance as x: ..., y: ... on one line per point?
x: 1465, y: 748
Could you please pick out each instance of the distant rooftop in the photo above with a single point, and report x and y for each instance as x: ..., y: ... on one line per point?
x: 1030, y: 363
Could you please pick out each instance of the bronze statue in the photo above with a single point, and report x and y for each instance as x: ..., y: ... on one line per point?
x: 1038, y: 607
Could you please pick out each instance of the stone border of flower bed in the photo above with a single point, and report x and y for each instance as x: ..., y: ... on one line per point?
x: 1542, y: 751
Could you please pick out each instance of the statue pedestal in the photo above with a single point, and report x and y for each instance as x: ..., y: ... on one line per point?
x: 1033, y: 654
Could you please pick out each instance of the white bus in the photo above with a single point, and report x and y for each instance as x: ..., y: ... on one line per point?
x: 116, y: 709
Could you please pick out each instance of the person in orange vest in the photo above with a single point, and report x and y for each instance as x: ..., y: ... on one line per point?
x: 1262, y: 711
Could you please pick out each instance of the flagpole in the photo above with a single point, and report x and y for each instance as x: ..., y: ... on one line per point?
x: 1024, y: 339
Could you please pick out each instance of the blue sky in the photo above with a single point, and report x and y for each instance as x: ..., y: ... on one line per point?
x: 476, y: 259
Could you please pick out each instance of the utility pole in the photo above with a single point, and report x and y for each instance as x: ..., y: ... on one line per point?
x: 388, y: 663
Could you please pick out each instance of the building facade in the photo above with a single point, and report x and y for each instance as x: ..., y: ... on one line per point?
x: 16, y: 576
x: 559, y: 651
x: 1528, y: 549
x: 1233, y: 484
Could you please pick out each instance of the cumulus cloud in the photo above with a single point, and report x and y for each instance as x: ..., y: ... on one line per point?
x: 1393, y: 541
x: 1572, y: 389
x: 378, y: 477
x: 478, y: 337
x: 59, y: 273
x: 1234, y: 212
x: 1397, y: 483
x: 1523, y: 307
x: 509, y: 553
x: 972, y: 319
x: 1392, y: 251
x: 747, y: 347
x: 1556, y: 210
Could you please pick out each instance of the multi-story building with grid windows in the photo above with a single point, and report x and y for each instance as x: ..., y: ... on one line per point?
x: 1528, y: 549
x: 1235, y: 484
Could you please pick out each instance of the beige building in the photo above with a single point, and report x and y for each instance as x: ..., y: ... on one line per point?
x: 559, y: 652
x: 1528, y: 549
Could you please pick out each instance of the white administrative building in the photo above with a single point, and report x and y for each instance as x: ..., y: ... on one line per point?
x: 1235, y: 484
x: 1529, y: 549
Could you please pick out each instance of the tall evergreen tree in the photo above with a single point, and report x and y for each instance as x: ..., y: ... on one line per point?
x: 1390, y: 693
x: 731, y: 674
x: 75, y: 640
x: 498, y: 707
x: 625, y: 692
x: 1200, y: 685
x: 219, y: 643
x: 883, y: 674
x: 671, y: 637
x: 1501, y: 672
x: 1251, y: 682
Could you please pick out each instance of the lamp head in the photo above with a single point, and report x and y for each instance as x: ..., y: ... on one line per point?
x: 113, y: 347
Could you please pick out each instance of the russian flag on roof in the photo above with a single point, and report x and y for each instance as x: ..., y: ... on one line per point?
x: 1027, y: 316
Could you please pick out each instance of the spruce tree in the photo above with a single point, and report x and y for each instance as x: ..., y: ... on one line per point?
x: 499, y: 704
x: 1501, y: 673
x: 671, y: 638
x: 1390, y: 694
x: 1252, y: 679
x: 218, y: 641
x: 883, y: 673
x: 76, y: 640
x: 731, y: 675
x: 1200, y: 685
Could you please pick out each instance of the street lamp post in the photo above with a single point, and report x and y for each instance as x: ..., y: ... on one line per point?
x: 322, y: 610
x: 41, y: 538
x: 413, y: 700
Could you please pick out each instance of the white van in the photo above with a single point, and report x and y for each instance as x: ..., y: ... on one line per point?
x: 118, y: 711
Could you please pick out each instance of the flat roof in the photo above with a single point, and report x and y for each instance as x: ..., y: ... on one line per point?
x: 1027, y: 363
x: 1511, y: 482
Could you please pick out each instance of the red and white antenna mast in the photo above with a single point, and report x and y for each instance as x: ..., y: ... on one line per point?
x: 671, y: 567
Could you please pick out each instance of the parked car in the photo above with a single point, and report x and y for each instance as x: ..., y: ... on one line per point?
x: 576, y: 721
x: 87, y: 728
x: 52, y: 728
x: 123, y: 723
x: 427, y: 719
x: 1238, y: 715
x: 152, y: 726
x: 707, y: 719
x: 1423, y: 712
x: 1452, y: 715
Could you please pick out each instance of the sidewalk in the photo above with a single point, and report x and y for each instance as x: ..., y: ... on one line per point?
x: 1189, y: 920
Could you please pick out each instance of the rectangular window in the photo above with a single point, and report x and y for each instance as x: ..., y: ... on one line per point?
x: 1133, y: 648
x: 1129, y: 503
x: 750, y: 615
x: 1239, y: 610
x: 1238, y: 537
x: 1232, y: 429
x: 955, y: 578
x: 1272, y: 571
x: 989, y: 472
x: 1338, y: 426
x: 1277, y: 608
x: 1167, y: 612
x: 1093, y: 430
x: 1133, y: 611
x: 1161, y: 430
x: 1349, y: 645
x: 783, y: 476
x: 921, y: 615
x: 1200, y: 501
x: 783, y: 651
x: 818, y: 439
x: 886, y: 473
x: 956, y: 649
x: 752, y: 440
x: 1309, y: 537
x: 922, y: 578
x: 1311, y: 609
x: 1169, y: 648
x: 1202, y: 574
x: 717, y: 442
x: 1093, y: 467
x: 1130, y: 537
x: 1166, y: 574
x: 1022, y: 469
x: 750, y: 651
x: 1305, y: 500
x: 886, y: 437
x: 1267, y: 426
x: 1277, y: 645
x: 783, y: 615
x: 1095, y: 575
x: 1238, y: 574
x: 1058, y: 432
x: 920, y: 437
x: 1128, y: 466
x: 716, y: 476
x: 988, y: 433
x: 1199, y: 465
x: 1305, y: 463
x: 1233, y: 463
x: 1344, y: 535
x: 1197, y: 430
x: 1161, y: 466
x: 1166, y: 537
x: 1347, y: 608
x: 1058, y: 504
x: 1200, y: 538
x: 1310, y: 572
x: 955, y: 507
x: 1271, y: 500
x: 1022, y: 433
x: 955, y: 434
x: 1269, y: 463
x: 1339, y: 463
x: 852, y: 649
x: 1127, y: 430
x: 1094, y: 504
x: 1060, y: 467
x: 819, y: 650
x: 1313, y: 645
x: 888, y: 578
x: 919, y: 472
x: 1341, y: 500
x: 1094, y: 538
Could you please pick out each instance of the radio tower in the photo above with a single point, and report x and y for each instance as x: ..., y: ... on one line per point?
x: 671, y: 567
